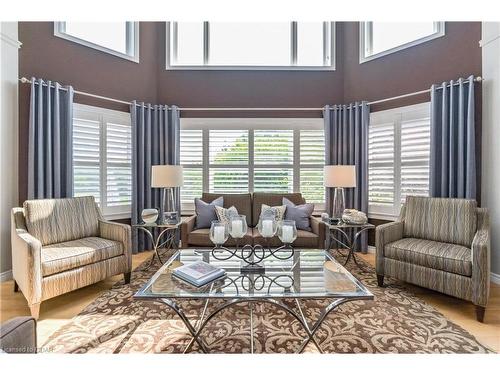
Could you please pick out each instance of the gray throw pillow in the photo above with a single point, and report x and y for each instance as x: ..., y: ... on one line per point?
x: 205, y: 212
x: 299, y: 213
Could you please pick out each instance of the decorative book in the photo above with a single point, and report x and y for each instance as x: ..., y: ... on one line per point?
x: 198, y: 273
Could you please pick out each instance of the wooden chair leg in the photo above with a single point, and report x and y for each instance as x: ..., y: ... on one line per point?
x: 380, y: 280
x: 127, y: 276
x: 480, y: 310
x: 16, y: 287
x: 35, y: 310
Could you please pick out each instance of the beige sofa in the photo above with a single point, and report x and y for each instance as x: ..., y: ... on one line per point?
x: 250, y: 204
x: 441, y: 244
x: 59, y: 245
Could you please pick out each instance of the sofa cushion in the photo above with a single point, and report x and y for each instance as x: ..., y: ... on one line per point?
x: 441, y: 219
x: 299, y: 213
x: 271, y: 199
x: 304, y: 239
x: 205, y: 212
x: 59, y: 220
x: 242, y: 202
x: 65, y: 256
x: 431, y: 254
x: 201, y: 237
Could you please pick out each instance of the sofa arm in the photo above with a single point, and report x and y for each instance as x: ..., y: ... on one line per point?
x: 26, y: 258
x: 187, y: 226
x: 481, y: 259
x: 18, y: 335
x: 319, y: 228
x: 119, y: 232
x: 384, y: 234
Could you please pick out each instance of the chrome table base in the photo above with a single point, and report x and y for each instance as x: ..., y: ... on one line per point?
x: 195, y: 331
x: 346, y: 242
x: 169, y: 242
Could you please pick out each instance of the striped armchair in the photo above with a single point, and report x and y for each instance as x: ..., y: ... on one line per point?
x: 441, y: 244
x: 59, y: 245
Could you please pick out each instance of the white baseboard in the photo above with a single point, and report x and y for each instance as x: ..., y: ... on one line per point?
x: 371, y: 249
x: 495, y: 278
x: 6, y: 276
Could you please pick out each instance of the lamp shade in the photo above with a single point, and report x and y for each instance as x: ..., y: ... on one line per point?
x: 165, y: 176
x: 340, y: 176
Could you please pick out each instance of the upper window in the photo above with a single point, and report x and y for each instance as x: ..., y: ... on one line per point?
x: 252, y: 155
x: 398, y: 158
x: 102, y: 158
x: 378, y: 39
x: 250, y: 45
x: 117, y: 38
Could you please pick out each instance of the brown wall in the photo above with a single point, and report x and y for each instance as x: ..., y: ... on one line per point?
x: 46, y: 56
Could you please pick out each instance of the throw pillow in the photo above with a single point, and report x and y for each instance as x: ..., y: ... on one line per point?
x: 277, y: 211
x: 224, y: 214
x: 205, y: 212
x: 300, y: 214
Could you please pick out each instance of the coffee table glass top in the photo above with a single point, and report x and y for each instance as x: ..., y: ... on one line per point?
x: 310, y: 273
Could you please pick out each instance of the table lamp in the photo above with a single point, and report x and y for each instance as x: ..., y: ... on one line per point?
x: 339, y: 177
x: 167, y: 177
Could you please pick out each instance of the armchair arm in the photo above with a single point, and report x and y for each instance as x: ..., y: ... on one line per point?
x: 18, y: 335
x: 118, y: 232
x: 481, y: 259
x: 187, y: 226
x: 384, y: 234
x: 319, y: 228
x: 26, y: 258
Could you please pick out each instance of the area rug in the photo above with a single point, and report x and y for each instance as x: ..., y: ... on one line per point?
x: 395, y: 322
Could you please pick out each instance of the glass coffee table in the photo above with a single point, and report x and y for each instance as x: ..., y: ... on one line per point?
x: 308, y: 274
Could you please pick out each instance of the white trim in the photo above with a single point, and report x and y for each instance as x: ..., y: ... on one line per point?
x: 331, y: 67
x: 10, y: 41
x: 381, y: 216
x: 135, y: 57
x: 495, y: 278
x: 254, y: 123
x: 440, y: 31
x: 372, y: 249
x: 5, y: 276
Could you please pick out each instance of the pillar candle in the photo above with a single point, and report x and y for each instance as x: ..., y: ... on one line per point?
x: 267, y: 228
x: 287, y: 234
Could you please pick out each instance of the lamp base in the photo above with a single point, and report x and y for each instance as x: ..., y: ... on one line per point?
x: 338, y: 203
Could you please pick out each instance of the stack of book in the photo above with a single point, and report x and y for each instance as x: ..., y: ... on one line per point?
x: 198, y: 273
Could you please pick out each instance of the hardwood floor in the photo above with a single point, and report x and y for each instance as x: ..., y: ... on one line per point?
x: 57, y: 311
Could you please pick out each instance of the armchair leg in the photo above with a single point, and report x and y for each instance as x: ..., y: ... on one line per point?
x: 16, y: 287
x: 127, y: 276
x: 380, y: 280
x: 480, y: 310
x: 35, y: 310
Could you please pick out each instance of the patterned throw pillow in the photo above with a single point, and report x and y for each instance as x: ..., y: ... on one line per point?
x: 277, y: 211
x: 224, y: 214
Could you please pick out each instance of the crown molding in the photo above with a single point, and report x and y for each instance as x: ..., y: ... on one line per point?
x: 10, y: 41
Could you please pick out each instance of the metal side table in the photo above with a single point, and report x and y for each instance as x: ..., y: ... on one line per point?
x: 347, y: 241
x: 161, y: 236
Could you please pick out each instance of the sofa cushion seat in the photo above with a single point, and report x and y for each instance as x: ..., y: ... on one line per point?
x: 68, y: 255
x: 304, y: 239
x: 201, y: 237
x: 436, y: 255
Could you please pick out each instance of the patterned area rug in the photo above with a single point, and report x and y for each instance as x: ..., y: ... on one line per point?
x: 395, y: 322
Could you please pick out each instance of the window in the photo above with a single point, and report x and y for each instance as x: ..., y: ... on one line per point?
x: 252, y: 155
x: 102, y: 158
x: 256, y: 45
x: 378, y: 39
x: 398, y: 158
x: 117, y: 38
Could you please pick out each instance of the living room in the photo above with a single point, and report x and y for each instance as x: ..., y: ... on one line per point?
x: 330, y: 183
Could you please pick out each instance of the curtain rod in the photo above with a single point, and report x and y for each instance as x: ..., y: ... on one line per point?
x: 476, y: 79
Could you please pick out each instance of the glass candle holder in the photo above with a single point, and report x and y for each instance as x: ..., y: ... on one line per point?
x: 267, y: 226
x: 238, y: 226
x: 219, y: 233
x: 287, y: 231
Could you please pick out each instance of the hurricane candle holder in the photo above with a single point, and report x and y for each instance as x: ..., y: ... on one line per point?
x: 287, y: 233
x: 219, y: 234
x: 238, y: 228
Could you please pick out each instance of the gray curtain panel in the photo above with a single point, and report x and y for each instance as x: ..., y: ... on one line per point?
x: 155, y: 141
x: 346, y: 143
x: 453, y: 151
x: 50, y: 146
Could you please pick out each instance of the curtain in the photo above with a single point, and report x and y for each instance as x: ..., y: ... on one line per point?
x: 50, y: 146
x: 155, y: 141
x: 346, y: 143
x: 453, y: 154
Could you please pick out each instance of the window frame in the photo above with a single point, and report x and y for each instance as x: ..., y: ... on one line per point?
x: 132, y: 40
x: 252, y: 124
x: 329, y: 30
x: 103, y: 116
x: 395, y: 115
x: 365, y: 39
